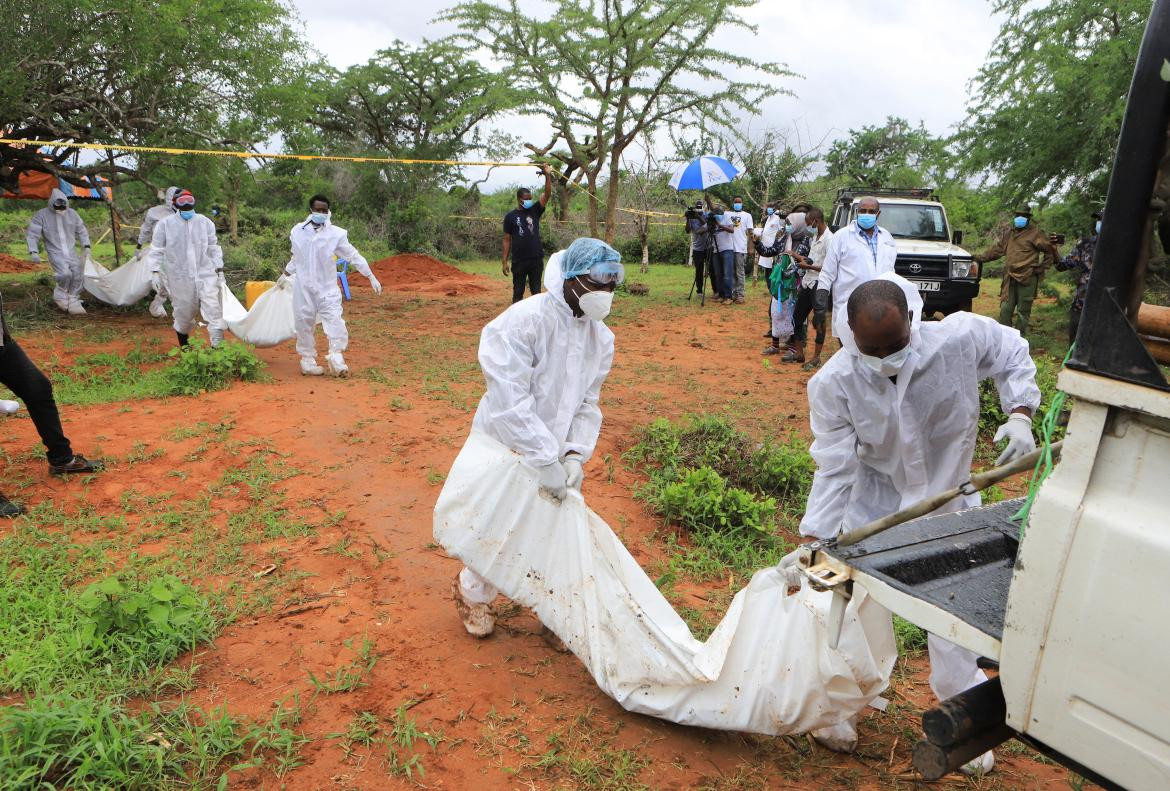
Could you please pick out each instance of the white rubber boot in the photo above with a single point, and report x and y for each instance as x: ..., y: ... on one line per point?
x: 840, y: 738
x: 75, y: 308
x: 336, y: 363
x: 8, y: 407
x: 309, y: 367
x: 478, y: 619
x: 980, y: 766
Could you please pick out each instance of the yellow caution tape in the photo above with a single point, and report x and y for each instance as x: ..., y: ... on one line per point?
x: 544, y: 219
x: 300, y: 157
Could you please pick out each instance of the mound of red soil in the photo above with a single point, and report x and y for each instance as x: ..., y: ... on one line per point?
x: 421, y: 273
x: 10, y: 264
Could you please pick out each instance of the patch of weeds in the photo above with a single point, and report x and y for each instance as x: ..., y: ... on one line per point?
x: 362, y: 731
x: 911, y: 639
x: 199, y: 369
x: 401, y: 758
x: 585, y: 756
x: 350, y: 676
x: 399, y: 404
x: 434, y: 477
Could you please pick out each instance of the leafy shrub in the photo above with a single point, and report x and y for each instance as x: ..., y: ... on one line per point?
x: 703, y: 500
x: 149, y: 622
x: 201, y: 368
x: 991, y: 415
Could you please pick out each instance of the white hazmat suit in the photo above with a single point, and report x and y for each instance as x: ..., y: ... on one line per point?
x: 153, y: 215
x: 188, y: 256
x: 316, y: 295
x: 61, y: 231
x: 882, y: 445
x: 850, y: 262
x: 544, y: 369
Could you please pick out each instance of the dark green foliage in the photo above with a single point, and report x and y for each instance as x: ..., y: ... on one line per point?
x: 201, y: 368
x: 151, y: 621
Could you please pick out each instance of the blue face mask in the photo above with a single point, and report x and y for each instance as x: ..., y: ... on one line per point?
x: 186, y: 214
x: 788, y: 228
x: 526, y: 203
x: 1097, y: 228
x: 318, y: 218
x: 1020, y: 222
x: 866, y: 221
x: 719, y: 218
x: 770, y: 210
x: 737, y: 206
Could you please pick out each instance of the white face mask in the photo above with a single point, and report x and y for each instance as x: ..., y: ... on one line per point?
x: 887, y: 366
x: 596, y: 304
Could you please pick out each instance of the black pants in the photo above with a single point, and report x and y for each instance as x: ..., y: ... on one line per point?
x: 526, y: 270
x: 22, y: 377
x: 1074, y: 321
x: 804, y: 306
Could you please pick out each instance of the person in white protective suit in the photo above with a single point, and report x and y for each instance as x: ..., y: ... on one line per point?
x: 186, y: 254
x: 894, y: 418
x: 544, y: 360
x: 61, y: 229
x: 146, y: 233
x: 317, y: 244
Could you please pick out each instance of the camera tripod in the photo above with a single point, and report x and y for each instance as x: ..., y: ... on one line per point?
x: 704, y: 269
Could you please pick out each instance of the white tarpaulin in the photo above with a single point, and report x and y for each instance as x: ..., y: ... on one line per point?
x: 122, y: 286
x: 269, y: 322
x: 767, y: 668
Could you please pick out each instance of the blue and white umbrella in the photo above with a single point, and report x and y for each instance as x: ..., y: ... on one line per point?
x: 704, y: 172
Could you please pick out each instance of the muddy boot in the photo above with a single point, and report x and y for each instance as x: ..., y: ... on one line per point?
x: 309, y: 367
x: 478, y: 619
x: 840, y: 738
x: 75, y: 308
x: 184, y: 339
x: 336, y: 363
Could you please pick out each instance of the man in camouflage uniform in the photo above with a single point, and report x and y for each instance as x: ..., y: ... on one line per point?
x: 1027, y: 252
x: 1081, y: 261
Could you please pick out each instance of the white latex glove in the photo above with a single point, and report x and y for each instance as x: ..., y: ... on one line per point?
x: 790, y: 569
x: 374, y: 284
x: 35, y: 257
x: 574, y: 473
x: 219, y: 274
x: 282, y: 281
x: 552, y: 480
x: 156, y: 281
x: 8, y: 407
x: 1018, y: 433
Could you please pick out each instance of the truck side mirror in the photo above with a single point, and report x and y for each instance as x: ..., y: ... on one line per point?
x: 957, y: 238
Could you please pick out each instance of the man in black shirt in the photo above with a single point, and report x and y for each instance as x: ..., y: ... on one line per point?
x: 522, y: 239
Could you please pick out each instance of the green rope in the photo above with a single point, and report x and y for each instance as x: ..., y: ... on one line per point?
x: 1044, y: 464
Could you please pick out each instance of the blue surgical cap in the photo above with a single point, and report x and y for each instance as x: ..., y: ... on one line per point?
x: 586, y: 253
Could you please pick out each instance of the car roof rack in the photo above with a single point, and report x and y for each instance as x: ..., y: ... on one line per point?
x: 851, y: 194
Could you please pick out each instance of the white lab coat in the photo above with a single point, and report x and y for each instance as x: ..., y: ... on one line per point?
x: 881, y: 446
x: 849, y: 263
x: 316, y: 295
x: 772, y: 228
x: 61, y: 232
x: 544, y: 369
x: 189, y: 257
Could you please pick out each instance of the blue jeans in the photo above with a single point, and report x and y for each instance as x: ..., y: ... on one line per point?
x: 726, y: 273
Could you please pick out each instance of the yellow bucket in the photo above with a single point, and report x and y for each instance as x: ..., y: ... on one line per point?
x: 253, y: 289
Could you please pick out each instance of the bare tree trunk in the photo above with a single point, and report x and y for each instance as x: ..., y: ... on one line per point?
x: 611, y: 198
x: 115, y: 232
x: 645, y: 237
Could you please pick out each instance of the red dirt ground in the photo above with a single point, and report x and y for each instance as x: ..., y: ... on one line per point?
x: 11, y: 264
x: 376, y: 447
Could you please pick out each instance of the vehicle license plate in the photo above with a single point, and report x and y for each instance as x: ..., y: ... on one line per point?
x: 927, y: 285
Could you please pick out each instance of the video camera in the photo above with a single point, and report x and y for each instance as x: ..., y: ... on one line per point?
x: 697, y: 212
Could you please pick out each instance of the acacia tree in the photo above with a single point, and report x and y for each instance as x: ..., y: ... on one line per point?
x: 876, y: 156
x: 605, y: 72
x: 1045, y: 109
x: 167, y: 72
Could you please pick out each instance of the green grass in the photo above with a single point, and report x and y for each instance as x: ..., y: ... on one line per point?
x: 89, y: 624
